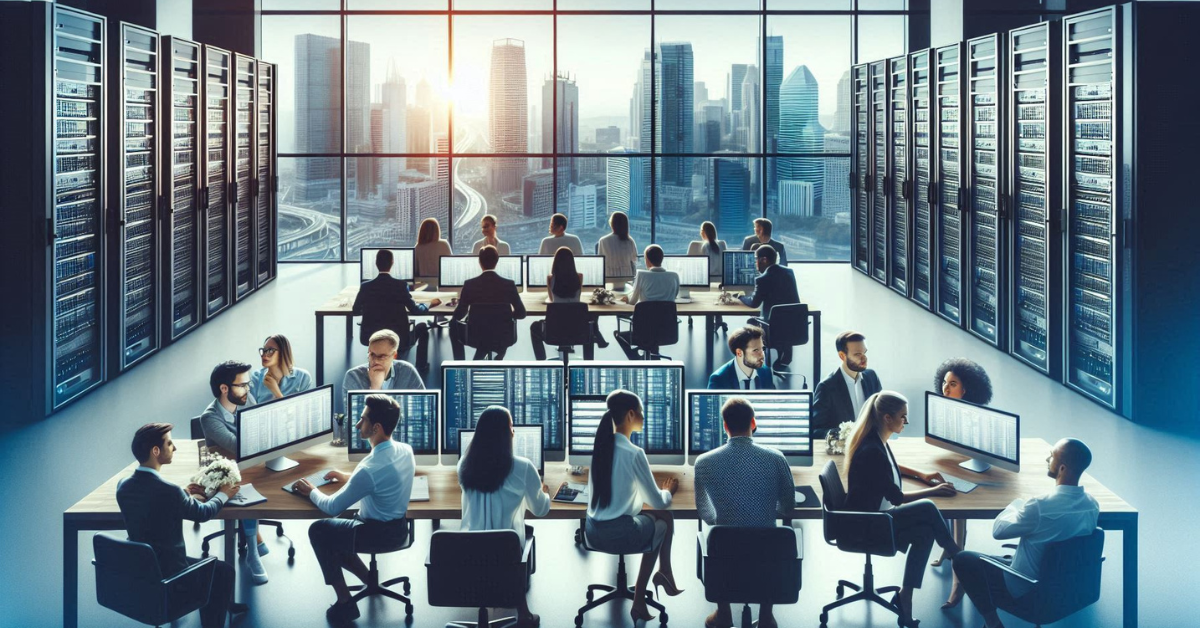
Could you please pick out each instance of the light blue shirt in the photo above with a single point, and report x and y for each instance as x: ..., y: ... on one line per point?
x: 297, y: 382
x: 656, y: 284
x: 403, y: 376
x: 383, y: 481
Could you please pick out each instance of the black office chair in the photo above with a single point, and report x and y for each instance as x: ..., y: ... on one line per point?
x: 129, y: 582
x: 480, y: 569
x: 198, y: 434
x: 654, y: 325
x: 372, y: 586
x: 491, y: 330
x: 1069, y: 580
x: 785, y: 326
x: 749, y: 566
x: 567, y: 325
x: 869, y: 533
x: 617, y: 591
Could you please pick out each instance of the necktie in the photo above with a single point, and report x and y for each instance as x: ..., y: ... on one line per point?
x: 746, y: 384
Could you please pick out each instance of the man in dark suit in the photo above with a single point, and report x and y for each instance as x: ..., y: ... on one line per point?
x: 775, y: 285
x: 762, y: 235
x: 488, y: 287
x: 385, y: 302
x: 839, y: 397
x: 747, y: 370
x: 154, y: 510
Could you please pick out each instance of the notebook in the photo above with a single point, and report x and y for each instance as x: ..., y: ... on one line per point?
x: 572, y: 493
x: 247, y: 495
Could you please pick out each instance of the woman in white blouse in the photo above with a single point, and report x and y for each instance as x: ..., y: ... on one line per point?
x: 619, y: 250
x: 497, y: 486
x: 619, y: 483
x: 709, y: 245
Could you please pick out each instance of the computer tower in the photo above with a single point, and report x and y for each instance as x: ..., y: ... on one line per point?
x: 897, y: 181
x: 217, y: 83
x: 948, y: 182
x: 266, y: 178
x: 877, y: 80
x: 860, y: 169
x: 183, y: 214
x: 245, y: 107
x: 922, y: 200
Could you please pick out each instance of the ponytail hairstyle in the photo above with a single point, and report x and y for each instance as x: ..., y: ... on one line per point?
x: 710, y: 234
x: 488, y: 462
x: 870, y: 419
x: 619, y: 402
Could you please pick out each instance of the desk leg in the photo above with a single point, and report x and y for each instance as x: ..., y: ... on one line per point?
x: 1129, y: 560
x: 230, y: 557
x: 70, y: 574
x: 816, y: 345
x: 320, y: 349
x: 349, y: 334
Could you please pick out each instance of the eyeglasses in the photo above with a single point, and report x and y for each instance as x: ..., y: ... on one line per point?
x: 242, y: 385
x: 267, y: 351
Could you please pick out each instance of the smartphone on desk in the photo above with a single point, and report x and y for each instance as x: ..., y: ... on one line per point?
x: 572, y: 493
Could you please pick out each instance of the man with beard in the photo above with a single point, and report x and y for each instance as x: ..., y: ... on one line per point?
x: 840, y: 396
x: 1064, y: 513
x: 747, y: 370
x: 774, y: 285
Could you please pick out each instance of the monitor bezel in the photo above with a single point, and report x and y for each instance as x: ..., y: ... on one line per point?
x: 246, y: 462
x: 971, y: 452
x: 725, y: 264
x: 707, y: 271
x: 530, y: 285
x: 422, y: 457
x: 362, y: 261
x: 658, y: 457
x: 548, y: 454
x: 794, y: 460
x: 520, y: 280
x: 541, y: 438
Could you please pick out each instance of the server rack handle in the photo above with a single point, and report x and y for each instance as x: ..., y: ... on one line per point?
x: 906, y: 190
x: 931, y: 192
x: 1001, y: 206
x: 886, y: 182
x: 964, y: 193
x: 51, y: 234
x: 232, y: 192
x: 853, y: 180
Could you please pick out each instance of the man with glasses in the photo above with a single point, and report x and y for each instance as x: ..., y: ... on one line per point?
x: 382, y: 370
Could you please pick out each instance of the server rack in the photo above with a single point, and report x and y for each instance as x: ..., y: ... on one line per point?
x: 218, y: 74
x: 183, y: 213
x: 877, y: 77
x: 896, y: 181
x: 921, y: 97
x: 245, y: 105
x: 859, y: 177
x: 265, y: 202
x: 1034, y: 311
x: 948, y: 182
x: 986, y: 224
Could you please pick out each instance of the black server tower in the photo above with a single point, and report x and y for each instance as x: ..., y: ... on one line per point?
x: 265, y: 204
x: 182, y: 192
x: 896, y: 181
x: 245, y: 104
x: 877, y: 77
x: 984, y: 107
x: 948, y: 181
x: 859, y: 177
x: 53, y: 173
x: 218, y: 74
x: 921, y: 97
x: 1034, y: 70
x: 134, y: 195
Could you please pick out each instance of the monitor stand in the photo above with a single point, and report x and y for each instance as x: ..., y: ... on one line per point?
x: 281, y: 463
x: 974, y: 464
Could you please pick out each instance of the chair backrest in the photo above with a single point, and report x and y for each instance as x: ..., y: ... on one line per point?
x: 128, y: 579
x: 491, y: 326
x: 833, y: 496
x: 197, y: 431
x: 476, y: 569
x: 746, y: 565
x: 655, y: 324
x: 391, y: 316
x: 789, y: 325
x: 860, y: 532
x: 567, y: 324
x: 1068, y: 579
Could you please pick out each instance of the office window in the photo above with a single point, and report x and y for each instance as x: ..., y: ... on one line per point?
x: 307, y: 49
x: 514, y: 190
x: 310, y: 208
x: 725, y: 190
x: 880, y: 37
x: 391, y: 216
x: 605, y: 185
x: 602, y: 68
x: 813, y: 223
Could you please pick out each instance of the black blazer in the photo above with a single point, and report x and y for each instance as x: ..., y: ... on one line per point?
x: 489, y: 287
x: 774, y: 286
x: 870, y: 477
x: 384, y: 303
x: 751, y: 243
x: 727, y: 377
x: 154, y: 510
x: 831, y: 400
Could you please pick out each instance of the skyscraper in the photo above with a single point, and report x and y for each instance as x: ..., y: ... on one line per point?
x: 674, y: 93
x: 566, y: 116
x: 773, y: 67
x: 733, y: 89
x: 752, y: 121
x: 699, y: 93
x: 507, y: 110
x: 800, y: 132
x: 836, y: 185
x: 395, y: 128
x: 732, y: 191
x: 537, y: 198
x: 841, y: 118
x: 318, y: 111
x: 795, y: 198
x: 627, y: 184
x: 419, y: 133
x: 581, y: 206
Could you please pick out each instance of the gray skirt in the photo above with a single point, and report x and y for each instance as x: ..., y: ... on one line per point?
x: 629, y: 534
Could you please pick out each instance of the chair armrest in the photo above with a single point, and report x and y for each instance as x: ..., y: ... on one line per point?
x: 529, y: 553
x: 193, y: 571
x: 701, y: 552
x: 1002, y: 566
x: 1012, y: 546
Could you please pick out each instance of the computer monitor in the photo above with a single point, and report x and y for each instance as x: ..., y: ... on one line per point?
x: 532, y: 392
x: 455, y: 270
x: 527, y: 443
x: 692, y: 271
x: 988, y: 436
x: 741, y: 268
x: 270, y: 431
x: 402, y: 263
x: 783, y: 418
x: 418, y: 425
x: 537, y: 268
x: 583, y: 417
x: 660, y: 386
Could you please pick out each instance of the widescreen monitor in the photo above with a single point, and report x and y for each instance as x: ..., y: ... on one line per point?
x: 988, y: 436
x: 783, y: 418
x: 418, y: 425
x: 741, y: 268
x: 402, y: 264
x: 537, y: 268
x: 660, y: 386
x: 268, y: 432
x: 527, y: 443
x: 692, y: 270
x: 531, y: 391
x: 455, y: 270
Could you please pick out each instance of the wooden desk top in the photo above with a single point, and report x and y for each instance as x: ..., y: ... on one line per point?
x: 997, y: 487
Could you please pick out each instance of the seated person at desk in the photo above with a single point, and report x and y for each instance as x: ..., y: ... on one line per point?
x: 383, y: 481
x: 774, y: 285
x: 230, y: 386
x: 488, y: 287
x: 1064, y: 513
x: 428, y: 252
x: 619, y: 250
x: 653, y: 284
x: 619, y: 483
x: 383, y: 371
x: 497, y: 487
x: 747, y: 370
x: 564, y: 285
x: 762, y: 236
x: 874, y: 486
x: 279, y: 376
x: 382, y: 301
x: 559, y: 238
x: 709, y: 245
x: 742, y: 484
x: 839, y: 397
x: 487, y: 226
x: 154, y: 510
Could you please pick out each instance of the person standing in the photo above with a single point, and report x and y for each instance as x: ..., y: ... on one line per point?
x: 840, y: 396
x: 559, y: 238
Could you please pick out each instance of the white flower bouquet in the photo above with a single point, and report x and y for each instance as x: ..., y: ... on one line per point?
x: 600, y: 296
x: 835, y: 440
x: 728, y: 298
x: 220, y: 472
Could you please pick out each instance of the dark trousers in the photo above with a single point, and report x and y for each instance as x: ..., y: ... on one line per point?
x: 336, y: 542
x: 458, y: 340
x: 983, y: 583
x: 537, y: 335
x: 918, y: 526
x: 220, y: 596
x: 785, y: 353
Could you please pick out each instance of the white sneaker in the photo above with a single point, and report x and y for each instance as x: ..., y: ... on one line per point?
x: 258, y: 573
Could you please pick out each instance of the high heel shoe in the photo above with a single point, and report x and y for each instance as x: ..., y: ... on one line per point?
x: 905, y: 614
x: 660, y: 580
x: 956, y: 596
x: 643, y: 614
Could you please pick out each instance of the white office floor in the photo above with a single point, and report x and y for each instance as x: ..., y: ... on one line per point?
x: 50, y: 464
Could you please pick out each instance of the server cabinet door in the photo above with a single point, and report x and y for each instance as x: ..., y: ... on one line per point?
x: 1033, y: 87
x: 878, y: 82
x: 923, y: 200
x: 264, y: 186
x: 897, y: 180
x: 948, y: 183
x: 985, y: 106
x: 218, y: 72
x: 182, y: 189
x: 1091, y: 282
x: 859, y: 178
x: 245, y: 105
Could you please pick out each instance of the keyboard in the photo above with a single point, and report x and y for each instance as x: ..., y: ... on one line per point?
x: 316, y: 479
x: 960, y: 485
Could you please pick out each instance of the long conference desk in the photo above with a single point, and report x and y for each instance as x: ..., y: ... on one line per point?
x: 99, y: 511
